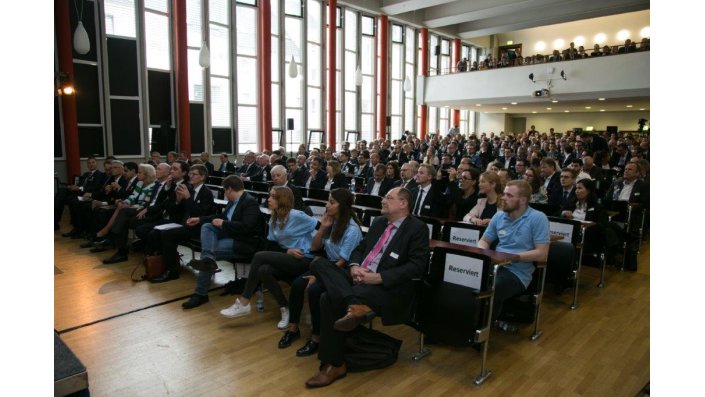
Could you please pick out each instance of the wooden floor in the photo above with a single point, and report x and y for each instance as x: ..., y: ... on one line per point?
x: 600, y: 349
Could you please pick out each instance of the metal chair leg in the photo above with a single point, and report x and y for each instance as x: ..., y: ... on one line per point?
x: 602, y: 272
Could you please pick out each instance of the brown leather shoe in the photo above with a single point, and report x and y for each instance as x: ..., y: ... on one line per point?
x: 357, y: 314
x: 327, y: 375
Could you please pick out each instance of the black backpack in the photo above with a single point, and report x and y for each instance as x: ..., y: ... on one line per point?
x: 367, y: 349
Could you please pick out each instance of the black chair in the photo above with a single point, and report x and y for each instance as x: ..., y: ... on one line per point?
x: 215, y: 180
x: 548, y: 209
x: 558, y: 272
x: 318, y: 208
x: 462, y: 233
x: 368, y: 216
x: 628, y: 223
x: 318, y: 194
x: 368, y: 200
x: 217, y: 190
x: 455, y: 305
x: 434, y: 227
x: 260, y: 186
x: 248, y: 185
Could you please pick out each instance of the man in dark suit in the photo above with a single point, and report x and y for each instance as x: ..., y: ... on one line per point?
x: 279, y: 179
x: 197, y: 200
x: 552, y: 178
x: 300, y: 174
x: 569, y: 156
x: 317, y: 178
x: 561, y: 196
x: 249, y: 167
x: 235, y: 230
x: 364, y: 169
x: 205, y: 157
x: 427, y: 197
x: 379, y: 184
x: 620, y: 157
x: 408, y: 172
x: 630, y: 188
x: 508, y: 160
x: 377, y: 281
x: 88, y: 183
x: 226, y: 167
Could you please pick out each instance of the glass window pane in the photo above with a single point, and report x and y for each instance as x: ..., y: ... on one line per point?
x: 295, y: 136
x: 339, y: 49
x: 193, y: 23
x: 292, y: 36
x: 396, y: 61
x: 395, y: 131
x: 275, y: 60
x: 220, y: 102
x: 220, y: 50
x: 351, y: 111
x: 351, y: 67
x: 368, y: 25
x: 445, y: 64
x: 293, y: 7
x: 121, y: 15
x: 409, y: 115
x: 246, y: 80
x: 314, y: 21
x: 314, y: 108
x: 412, y: 79
x: 397, y: 34
x: 338, y: 90
x: 156, y: 34
x: 275, y: 18
x: 276, y: 105
x: 409, y: 45
x: 246, y: 31
x: 432, y: 118
x: 367, y: 55
x: 445, y: 47
x: 158, y: 5
x: 396, y: 97
x: 367, y: 126
x: 247, y: 131
x: 195, y: 77
x: 294, y: 92
x: 368, y: 94
x: 350, y: 30
x: 314, y: 65
x: 218, y: 11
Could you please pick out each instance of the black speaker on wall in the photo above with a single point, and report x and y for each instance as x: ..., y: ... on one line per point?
x: 437, y: 50
x: 290, y: 124
x: 389, y: 121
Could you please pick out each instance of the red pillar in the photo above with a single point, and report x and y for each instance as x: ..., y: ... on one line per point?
x: 454, y: 66
x: 68, y: 102
x: 181, y: 75
x: 423, y: 128
x: 383, y: 76
x: 331, y: 130
x: 265, y: 19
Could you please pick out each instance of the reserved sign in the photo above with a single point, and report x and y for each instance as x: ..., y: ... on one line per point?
x: 564, y: 230
x: 462, y: 270
x: 462, y: 236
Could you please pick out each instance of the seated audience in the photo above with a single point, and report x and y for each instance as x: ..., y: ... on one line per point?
x: 336, y: 179
x: 487, y: 206
x: 379, y: 184
x: 538, y: 192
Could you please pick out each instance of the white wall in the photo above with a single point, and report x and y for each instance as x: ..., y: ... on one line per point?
x: 626, y: 121
x: 634, y: 22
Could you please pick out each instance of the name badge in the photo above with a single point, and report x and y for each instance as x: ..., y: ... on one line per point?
x: 637, y: 194
x: 427, y: 206
x: 502, y: 233
x: 591, y: 209
x: 394, y: 255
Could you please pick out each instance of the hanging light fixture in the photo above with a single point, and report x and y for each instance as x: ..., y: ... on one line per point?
x: 204, y: 56
x: 81, y: 43
x: 293, y: 69
x: 407, y: 84
x: 358, y: 76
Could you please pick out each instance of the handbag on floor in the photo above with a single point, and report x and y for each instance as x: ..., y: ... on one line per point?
x: 153, y: 267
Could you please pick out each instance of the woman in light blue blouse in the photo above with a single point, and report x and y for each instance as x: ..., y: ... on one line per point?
x: 289, y: 254
x: 339, y: 234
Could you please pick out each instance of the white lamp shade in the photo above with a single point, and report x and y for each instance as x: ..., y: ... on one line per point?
x: 407, y: 84
x: 293, y: 69
x: 204, y: 56
x: 358, y: 76
x: 80, y: 40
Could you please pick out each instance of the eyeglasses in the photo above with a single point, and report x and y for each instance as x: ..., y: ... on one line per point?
x: 389, y: 197
x: 467, y: 178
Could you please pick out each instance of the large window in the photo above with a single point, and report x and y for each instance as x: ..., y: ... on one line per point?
x: 219, y: 33
x: 410, y: 78
x: 397, y: 81
x: 445, y: 56
x: 247, y: 82
x: 314, y: 60
x: 351, y: 62
x: 293, y: 47
x: 368, y: 95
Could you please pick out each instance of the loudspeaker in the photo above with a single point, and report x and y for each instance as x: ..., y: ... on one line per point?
x: 290, y: 124
x: 437, y: 50
x: 389, y: 121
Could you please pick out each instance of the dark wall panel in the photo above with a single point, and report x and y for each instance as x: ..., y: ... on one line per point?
x: 197, y: 132
x: 159, y: 97
x: 163, y: 139
x: 222, y: 140
x: 87, y: 94
x: 122, y: 66
x: 90, y: 141
x: 125, y: 122
x: 88, y: 24
x: 57, y: 128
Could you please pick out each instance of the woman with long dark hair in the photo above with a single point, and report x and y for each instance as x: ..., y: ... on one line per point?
x: 338, y: 235
x: 538, y: 190
x: 289, y: 254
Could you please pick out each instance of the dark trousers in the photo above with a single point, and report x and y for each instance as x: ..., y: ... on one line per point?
x: 100, y: 218
x: 506, y: 286
x: 267, y: 267
x: 63, y: 197
x: 296, y: 301
x: 340, y: 292
x: 169, y: 240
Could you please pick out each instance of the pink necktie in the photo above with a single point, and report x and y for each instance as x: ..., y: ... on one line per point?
x: 378, y: 247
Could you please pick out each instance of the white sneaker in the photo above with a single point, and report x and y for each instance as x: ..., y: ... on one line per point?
x: 238, y: 310
x: 284, y: 322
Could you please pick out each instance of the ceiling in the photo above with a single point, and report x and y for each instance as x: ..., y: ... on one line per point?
x: 530, y: 105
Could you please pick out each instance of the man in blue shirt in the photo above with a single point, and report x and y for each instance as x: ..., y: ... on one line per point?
x: 520, y: 230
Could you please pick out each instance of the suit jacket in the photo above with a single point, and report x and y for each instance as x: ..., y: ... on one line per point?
x: 433, y: 204
x: 156, y: 212
x: 319, y: 182
x: 298, y: 200
x: 300, y: 176
x: 245, y: 226
x: 556, y: 197
x: 405, y: 259
x: 210, y: 167
x: 567, y: 160
x: 339, y: 181
x: 249, y: 170
x: 639, y: 195
x: 91, y: 182
x: 260, y: 175
x: 125, y: 193
x: 593, y: 213
x: 229, y: 168
x: 410, y: 185
x: 554, y: 183
x: 366, y: 171
x: 387, y: 185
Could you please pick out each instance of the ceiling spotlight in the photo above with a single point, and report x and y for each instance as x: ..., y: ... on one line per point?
x: 531, y: 77
x: 504, y: 108
x: 629, y: 106
x: 514, y: 103
x: 642, y: 109
x: 600, y: 99
x: 588, y: 107
x: 554, y: 100
x: 567, y: 111
x: 549, y: 108
x: 602, y: 110
x: 478, y: 104
x: 533, y: 111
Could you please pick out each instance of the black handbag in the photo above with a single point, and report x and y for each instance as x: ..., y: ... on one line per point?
x: 367, y: 349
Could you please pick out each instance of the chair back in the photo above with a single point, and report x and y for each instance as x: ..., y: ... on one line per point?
x: 368, y: 200
x: 369, y: 215
x: 260, y: 186
x: 318, y: 194
x: 217, y: 190
x: 434, y: 227
x: 569, y: 229
x: 462, y: 233
x: 317, y: 208
x: 548, y: 209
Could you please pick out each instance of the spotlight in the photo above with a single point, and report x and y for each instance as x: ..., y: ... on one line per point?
x: 531, y: 77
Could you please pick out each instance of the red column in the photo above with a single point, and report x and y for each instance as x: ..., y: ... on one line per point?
x: 424, y: 72
x: 383, y: 76
x: 331, y: 130
x: 455, y: 60
x: 68, y: 102
x: 181, y: 75
x: 265, y: 19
